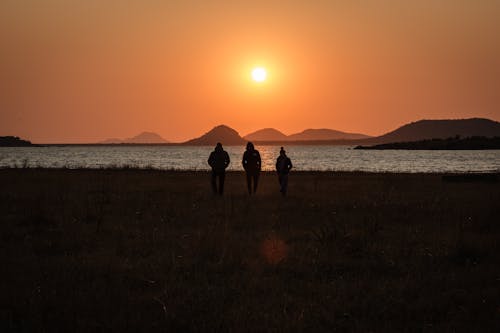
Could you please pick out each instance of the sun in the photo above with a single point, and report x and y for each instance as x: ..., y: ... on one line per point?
x: 259, y: 74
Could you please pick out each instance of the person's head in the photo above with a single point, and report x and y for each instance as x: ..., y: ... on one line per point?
x: 282, y: 152
x: 218, y: 146
x: 250, y: 146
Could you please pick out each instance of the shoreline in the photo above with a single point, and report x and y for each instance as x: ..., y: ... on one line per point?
x: 200, y: 171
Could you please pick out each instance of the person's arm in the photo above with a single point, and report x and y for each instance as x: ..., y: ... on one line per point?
x: 290, y: 165
x: 227, y: 160
x: 259, y: 162
x: 244, y: 161
x: 211, y: 159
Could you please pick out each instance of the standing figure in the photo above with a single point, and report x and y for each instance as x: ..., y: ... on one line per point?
x: 218, y: 160
x: 251, y: 163
x: 283, y: 166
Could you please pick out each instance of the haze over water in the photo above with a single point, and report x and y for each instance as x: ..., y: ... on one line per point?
x: 322, y: 158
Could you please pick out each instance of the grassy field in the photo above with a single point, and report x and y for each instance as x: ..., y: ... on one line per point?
x: 146, y: 250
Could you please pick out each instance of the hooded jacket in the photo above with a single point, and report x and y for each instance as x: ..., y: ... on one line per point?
x: 251, y: 159
x: 283, y: 165
x: 219, y: 159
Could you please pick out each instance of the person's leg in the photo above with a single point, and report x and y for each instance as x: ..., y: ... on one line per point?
x: 213, y: 182
x: 284, y: 184
x: 249, y: 182
x: 255, y: 181
x: 280, y: 180
x: 222, y: 177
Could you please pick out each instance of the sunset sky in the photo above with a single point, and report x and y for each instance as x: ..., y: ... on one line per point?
x: 87, y: 70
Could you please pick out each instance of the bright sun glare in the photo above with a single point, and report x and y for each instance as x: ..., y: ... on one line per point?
x: 259, y: 74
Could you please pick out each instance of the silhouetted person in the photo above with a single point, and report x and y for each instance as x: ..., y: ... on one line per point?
x: 251, y: 163
x: 283, y: 166
x: 218, y: 160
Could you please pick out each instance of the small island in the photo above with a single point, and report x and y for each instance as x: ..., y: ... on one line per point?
x: 455, y: 143
x: 14, y: 141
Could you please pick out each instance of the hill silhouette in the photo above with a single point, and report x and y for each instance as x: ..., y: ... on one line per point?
x: 441, y: 129
x: 142, y: 138
x: 14, y: 141
x: 266, y: 134
x: 273, y: 135
x: 146, y: 137
x: 415, y: 131
x: 222, y: 133
x: 428, y: 130
x: 324, y: 134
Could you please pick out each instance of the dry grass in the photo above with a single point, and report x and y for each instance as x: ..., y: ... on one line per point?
x: 145, y: 250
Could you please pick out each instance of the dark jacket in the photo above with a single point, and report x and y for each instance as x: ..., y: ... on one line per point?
x: 283, y: 165
x: 219, y: 160
x: 251, y: 161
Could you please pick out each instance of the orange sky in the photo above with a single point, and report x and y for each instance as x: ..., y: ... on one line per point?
x: 83, y: 71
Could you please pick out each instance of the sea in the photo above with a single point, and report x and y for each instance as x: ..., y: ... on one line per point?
x: 305, y: 158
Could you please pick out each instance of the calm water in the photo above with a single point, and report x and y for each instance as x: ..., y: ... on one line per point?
x: 338, y: 158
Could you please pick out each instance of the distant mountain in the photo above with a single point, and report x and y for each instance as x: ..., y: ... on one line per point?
x: 111, y: 141
x: 143, y: 138
x: 222, y: 133
x: 14, y: 141
x: 266, y: 134
x: 325, y: 134
x: 419, y: 130
x: 310, y: 135
x: 416, y: 131
x: 146, y: 137
x: 441, y: 129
